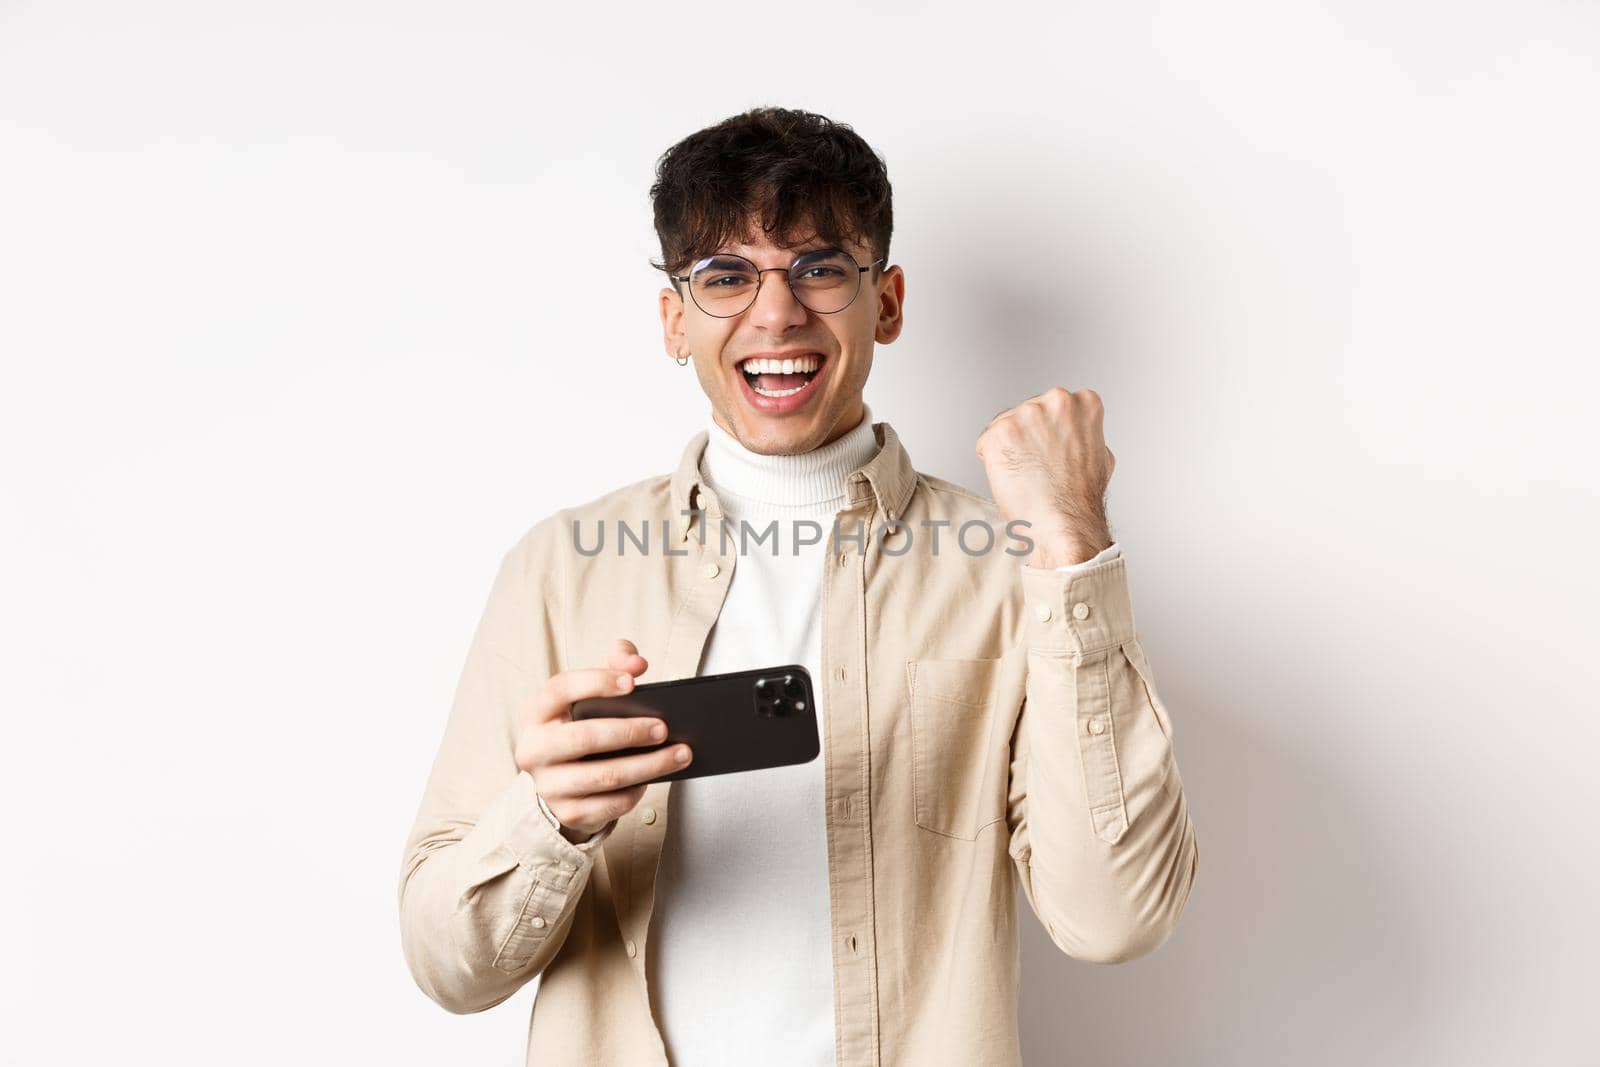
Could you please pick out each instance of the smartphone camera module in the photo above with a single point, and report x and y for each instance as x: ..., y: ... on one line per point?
x: 779, y: 695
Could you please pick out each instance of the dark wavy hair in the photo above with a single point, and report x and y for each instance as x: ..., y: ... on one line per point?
x: 783, y: 167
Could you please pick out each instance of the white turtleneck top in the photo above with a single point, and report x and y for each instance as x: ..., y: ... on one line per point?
x: 741, y: 958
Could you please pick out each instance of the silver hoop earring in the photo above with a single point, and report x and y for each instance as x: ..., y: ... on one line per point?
x: 682, y: 360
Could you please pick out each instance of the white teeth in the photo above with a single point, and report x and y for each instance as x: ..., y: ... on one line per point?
x: 797, y: 365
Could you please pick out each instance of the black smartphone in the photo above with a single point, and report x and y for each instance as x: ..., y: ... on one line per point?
x: 738, y: 721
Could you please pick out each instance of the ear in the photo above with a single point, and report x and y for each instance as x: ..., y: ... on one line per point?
x: 891, y: 290
x: 673, y: 335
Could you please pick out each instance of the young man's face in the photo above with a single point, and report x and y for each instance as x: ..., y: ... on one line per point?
x: 777, y: 326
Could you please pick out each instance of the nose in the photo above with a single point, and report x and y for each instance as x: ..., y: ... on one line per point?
x: 775, y: 306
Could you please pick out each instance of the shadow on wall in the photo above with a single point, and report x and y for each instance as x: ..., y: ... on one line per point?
x: 1300, y: 941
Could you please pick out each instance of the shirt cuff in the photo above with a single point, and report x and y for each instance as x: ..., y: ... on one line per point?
x: 536, y: 838
x: 1082, y: 608
x: 1111, y: 551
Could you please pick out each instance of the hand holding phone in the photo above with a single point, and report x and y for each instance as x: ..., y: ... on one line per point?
x: 738, y: 721
x: 574, y: 764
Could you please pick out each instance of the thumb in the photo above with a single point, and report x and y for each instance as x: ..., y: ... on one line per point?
x: 625, y: 657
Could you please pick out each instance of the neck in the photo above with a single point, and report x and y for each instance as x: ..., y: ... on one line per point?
x: 749, y: 482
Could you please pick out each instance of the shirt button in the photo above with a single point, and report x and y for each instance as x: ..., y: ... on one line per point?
x: 649, y: 816
x: 633, y: 950
x: 566, y: 866
x: 538, y: 922
x: 1097, y: 726
x: 712, y: 570
x: 1042, y: 612
x: 844, y: 559
x: 1080, y: 610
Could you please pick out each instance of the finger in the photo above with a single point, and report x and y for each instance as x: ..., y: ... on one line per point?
x: 597, y: 809
x: 983, y: 433
x: 584, y: 778
x: 574, y: 740
x: 555, y: 697
x: 625, y: 656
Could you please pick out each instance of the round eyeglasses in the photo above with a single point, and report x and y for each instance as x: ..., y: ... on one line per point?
x: 824, y: 281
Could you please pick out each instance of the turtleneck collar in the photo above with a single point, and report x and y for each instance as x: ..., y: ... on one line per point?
x: 749, y: 483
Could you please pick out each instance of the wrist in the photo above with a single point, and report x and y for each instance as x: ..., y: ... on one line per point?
x: 1067, y: 553
x: 1063, y: 541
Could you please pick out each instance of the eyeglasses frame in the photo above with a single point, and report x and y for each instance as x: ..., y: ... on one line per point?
x: 787, y: 280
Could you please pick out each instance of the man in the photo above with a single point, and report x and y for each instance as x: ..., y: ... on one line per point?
x: 987, y: 717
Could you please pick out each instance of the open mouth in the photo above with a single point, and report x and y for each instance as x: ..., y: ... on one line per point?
x: 776, y: 379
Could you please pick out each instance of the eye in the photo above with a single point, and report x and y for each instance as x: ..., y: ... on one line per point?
x: 725, y: 281
x: 721, y: 272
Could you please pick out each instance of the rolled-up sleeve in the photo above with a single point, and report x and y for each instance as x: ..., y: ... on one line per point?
x: 1100, y: 828
x: 488, y: 884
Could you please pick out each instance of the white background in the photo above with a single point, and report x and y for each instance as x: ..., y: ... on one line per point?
x: 308, y: 310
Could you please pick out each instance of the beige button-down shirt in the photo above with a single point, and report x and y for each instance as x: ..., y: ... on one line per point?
x: 987, y: 722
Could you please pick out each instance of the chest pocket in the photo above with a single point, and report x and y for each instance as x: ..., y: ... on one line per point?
x: 958, y: 767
